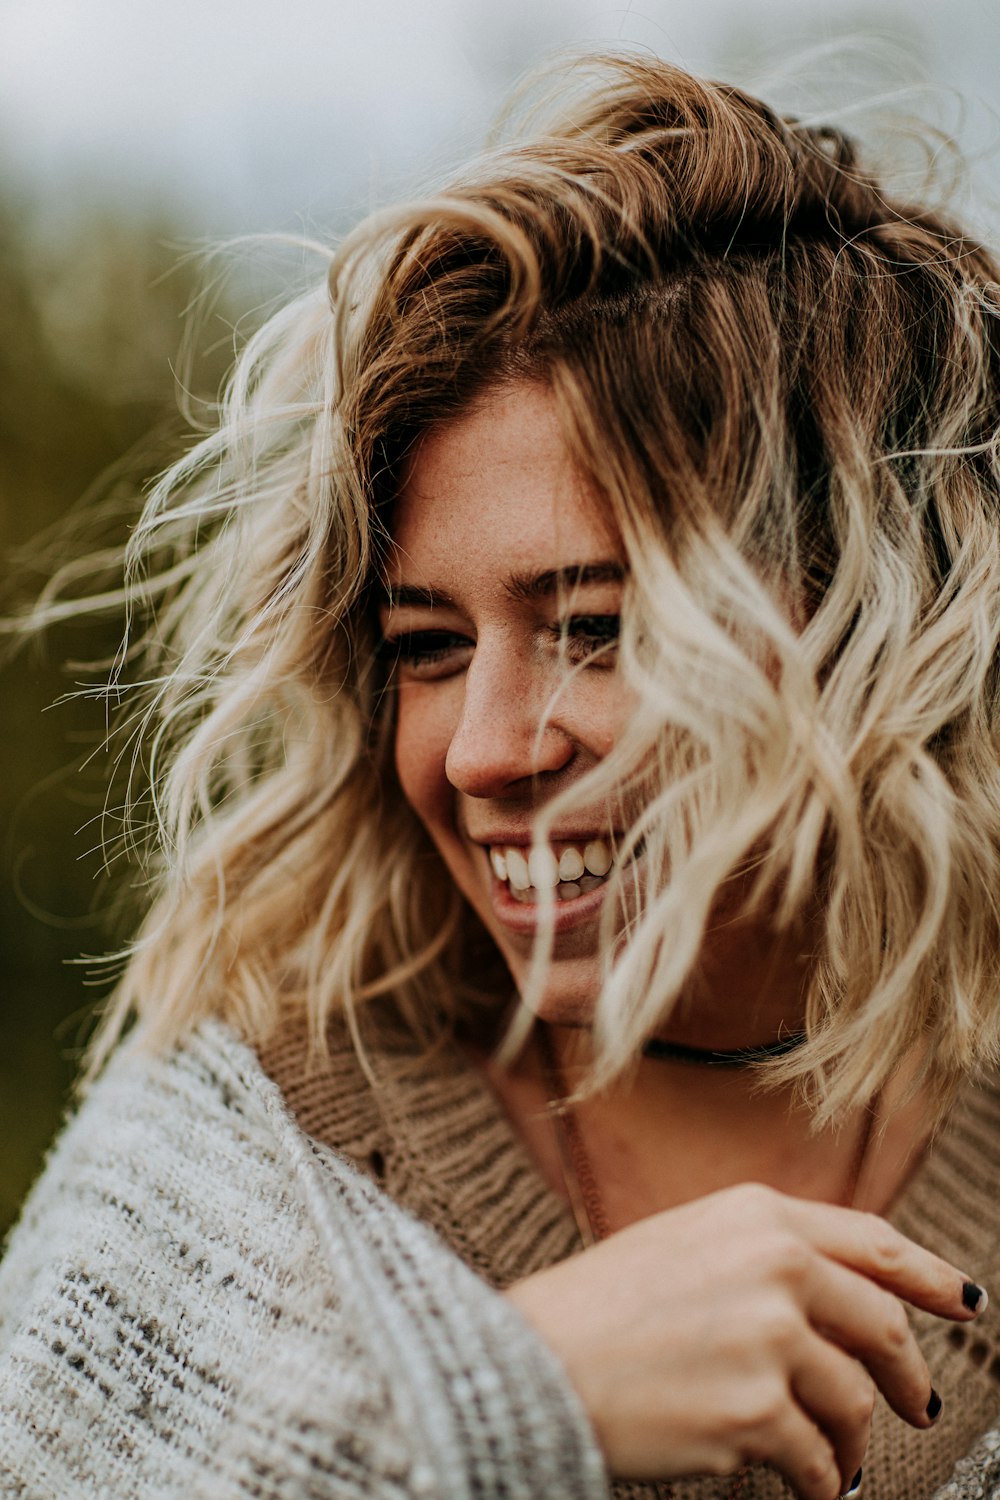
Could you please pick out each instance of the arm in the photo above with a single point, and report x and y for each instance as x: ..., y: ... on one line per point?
x: 474, y: 1403
x: 976, y: 1476
x: 199, y: 1302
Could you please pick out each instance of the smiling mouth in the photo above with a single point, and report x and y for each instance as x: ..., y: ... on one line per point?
x: 567, y: 870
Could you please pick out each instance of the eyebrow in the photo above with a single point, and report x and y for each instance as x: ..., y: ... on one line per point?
x: 531, y: 586
x: 522, y: 586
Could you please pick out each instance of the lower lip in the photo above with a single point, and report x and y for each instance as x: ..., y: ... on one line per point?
x: 529, y: 918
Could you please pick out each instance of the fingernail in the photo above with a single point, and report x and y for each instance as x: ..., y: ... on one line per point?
x: 974, y: 1297
x: 855, y: 1489
x: 934, y: 1406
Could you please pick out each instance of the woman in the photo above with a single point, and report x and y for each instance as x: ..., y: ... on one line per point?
x: 573, y: 733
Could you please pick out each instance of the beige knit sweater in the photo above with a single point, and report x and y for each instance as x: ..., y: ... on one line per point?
x: 203, y: 1300
x: 434, y: 1136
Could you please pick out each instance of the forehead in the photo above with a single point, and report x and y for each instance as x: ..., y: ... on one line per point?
x: 497, y: 484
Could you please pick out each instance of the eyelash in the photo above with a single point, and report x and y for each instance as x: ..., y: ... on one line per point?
x: 580, y: 637
x: 584, y: 636
x: 420, y: 648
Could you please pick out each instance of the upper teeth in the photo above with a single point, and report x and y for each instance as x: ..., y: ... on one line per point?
x: 572, y: 863
x: 541, y: 868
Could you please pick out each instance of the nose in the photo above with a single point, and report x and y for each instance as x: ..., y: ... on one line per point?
x: 503, y: 735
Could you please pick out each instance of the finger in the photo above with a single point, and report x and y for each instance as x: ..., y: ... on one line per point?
x: 838, y: 1395
x: 802, y: 1453
x: 871, y: 1324
x: 869, y: 1244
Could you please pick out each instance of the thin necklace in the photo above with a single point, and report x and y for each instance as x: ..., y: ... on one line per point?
x: 580, y: 1180
x: 723, y: 1057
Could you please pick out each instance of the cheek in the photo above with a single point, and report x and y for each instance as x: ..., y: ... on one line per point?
x: 423, y: 735
x: 602, y: 711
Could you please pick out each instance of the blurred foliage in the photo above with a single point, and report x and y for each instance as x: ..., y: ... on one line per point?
x: 91, y: 320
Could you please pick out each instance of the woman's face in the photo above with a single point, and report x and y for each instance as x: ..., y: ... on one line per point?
x: 504, y: 594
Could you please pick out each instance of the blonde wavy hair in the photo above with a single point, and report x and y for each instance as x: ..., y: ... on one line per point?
x: 782, y: 383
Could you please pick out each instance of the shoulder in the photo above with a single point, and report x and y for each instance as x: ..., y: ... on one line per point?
x: 162, y: 1151
x: 197, y: 1288
x: 166, y: 1244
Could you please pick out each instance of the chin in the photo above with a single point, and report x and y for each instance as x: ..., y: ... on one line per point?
x: 566, y: 999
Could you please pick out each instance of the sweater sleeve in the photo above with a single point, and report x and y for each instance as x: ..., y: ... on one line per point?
x: 487, y: 1409
x: 199, y: 1301
x: 977, y: 1476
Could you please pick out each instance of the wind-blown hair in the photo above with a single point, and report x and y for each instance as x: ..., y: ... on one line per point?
x: 782, y: 384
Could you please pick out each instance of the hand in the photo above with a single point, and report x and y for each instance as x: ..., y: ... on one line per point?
x: 745, y: 1327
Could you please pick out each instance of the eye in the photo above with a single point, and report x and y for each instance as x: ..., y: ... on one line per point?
x: 425, y: 654
x: 586, y: 637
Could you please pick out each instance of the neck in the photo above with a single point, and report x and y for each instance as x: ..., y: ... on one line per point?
x: 673, y: 1129
x: 724, y: 1127
x: 746, y: 995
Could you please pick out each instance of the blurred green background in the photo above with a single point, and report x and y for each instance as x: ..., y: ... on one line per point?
x: 130, y: 132
x: 90, y: 326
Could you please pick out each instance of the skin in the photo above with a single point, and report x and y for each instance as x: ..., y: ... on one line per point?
x: 468, y: 752
x: 693, y: 1348
x: 491, y: 504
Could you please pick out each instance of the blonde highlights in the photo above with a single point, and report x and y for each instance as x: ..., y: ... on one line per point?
x: 782, y: 383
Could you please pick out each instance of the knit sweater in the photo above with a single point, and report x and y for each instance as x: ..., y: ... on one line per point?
x: 204, y: 1299
x: 433, y: 1133
x: 202, y: 1302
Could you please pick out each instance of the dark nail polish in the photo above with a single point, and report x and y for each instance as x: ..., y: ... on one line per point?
x: 973, y: 1297
x: 855, y: 1488
x: 934, y: 1406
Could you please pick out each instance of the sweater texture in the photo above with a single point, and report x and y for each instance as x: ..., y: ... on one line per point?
x: 206, y: 1296
x: 428, y: 1126
x: 201, y: 1301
